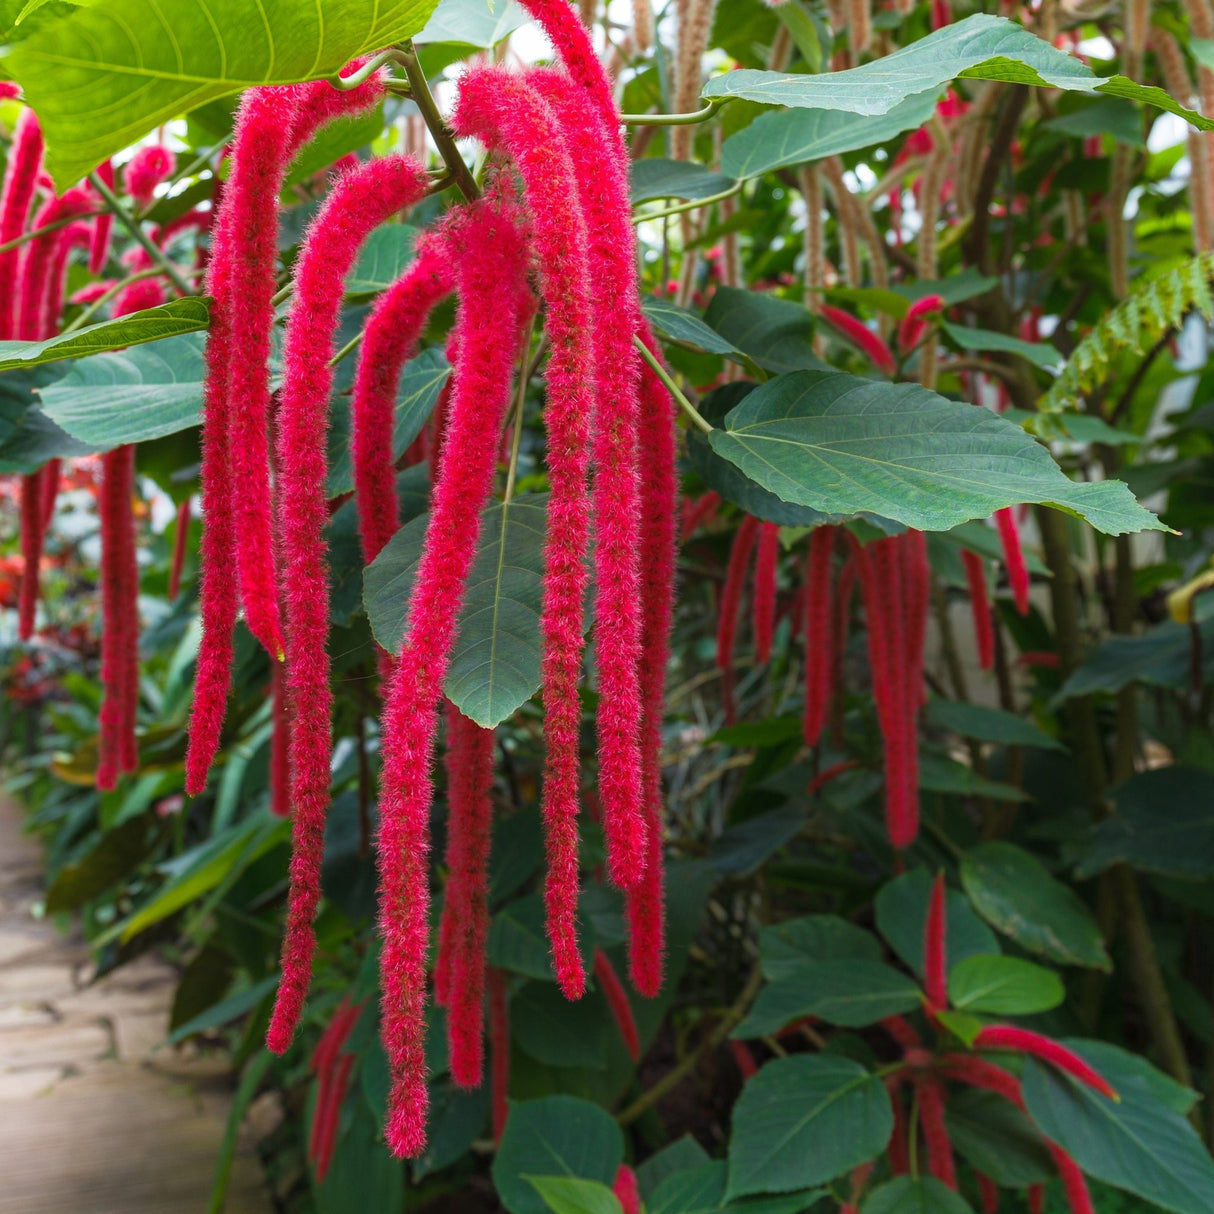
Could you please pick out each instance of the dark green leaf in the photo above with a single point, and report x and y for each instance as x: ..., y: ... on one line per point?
x: 987, y: 724
x: 804, y: 1120
x: 1003, y: 986
x: 776, y: 333
x: 907, y: 1195
x: 518, y: 941
x: 556, y: 1136
x: 997, y: 1138
x: 845, y: 445
x: 658, y: 178
x: 685, y: 328
x: 115, y: 858
x: 1104, y: 116
x: 743, y: 848
x: 937, y: 773
x: 556, y: 1031
x: 1013, y: 892
x: 681, y: 1155
x: 787, y: 946
x: 226, y: 1010
x: 1162, y: 655
x: 457, y: 1119
x: 1040, y: 354
x: 701, y: 1190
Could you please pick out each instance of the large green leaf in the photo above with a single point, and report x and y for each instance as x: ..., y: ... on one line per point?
x: 495, y: 664
x: 1163, y: 655
x: 980, y: 47
x: 569, y: 1195
x: 910, y: 1195
x: 787, y: 137
x: 1138, y: 1142
x: 1003, y: 986
x: 804, y: 1120
x: 846, y: 445
x: 387, y: 252
x: 1164, y: 824
x: 997, y: 1138
x: 556, y: 1136
x: 1039, y: 353
x: 777, y: 333
x: 557, y: 1031
x: 701, y: 1190
x: 1013, y: 892
x: 180, y: 316
x: 132, y: 395
x: 785, y: 947
x: 685, y: 328
x: 987, y: 724
x: 851, y: 993
x: 659, y: 178
x: 107, y: 74
x: 479, y: 23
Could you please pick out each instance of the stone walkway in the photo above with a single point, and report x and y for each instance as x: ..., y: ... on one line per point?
x: 94, y: 1119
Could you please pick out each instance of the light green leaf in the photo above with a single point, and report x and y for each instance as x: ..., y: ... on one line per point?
x: 569, y: 1195
x: 908, y: 1195
x: 987, y: 724
x: 657, y: 177
x: 981, y: 47
x: 788, y: 137
x: 132, y: 395
x: 1040, y: 354
x: 479, y: 23
x: 495, y: 663
x: 1012, y: 891
x: 105, y: 75
x: 152, y: 324
x: 804, y: 1120
x: 1003, y: 986
x: 845, y: 445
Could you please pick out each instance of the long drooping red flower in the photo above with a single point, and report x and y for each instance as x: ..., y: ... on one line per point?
x: 499, y: 1052
x: 617, y: 1001
x: 612, y: 260
x: 988, y: 1193
x: 1008, y: 1037
x: 935, y: 1131
x: 505, y: 112
x: 491, y: 267
x: 389, y: 338
x: 332, y: 1069
x: 935, y: 947
x: 1013, y: 557
x: 359, y: 203
x: 984, y: 631
x: 860, y: 336
x: 731, y: 594
x: 16, y: 198
x: 1073, y: 1183
x: 466, y: 906
x: 75, y: 236
x: 103, y: 225
x: 626, y: 1191
x: 819, y: 644
x: 39, y: 258
x: 766, y: 563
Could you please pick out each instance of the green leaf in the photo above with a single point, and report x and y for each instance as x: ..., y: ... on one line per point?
x: 568, y: 1195
x: 385, y: 255
x: 116, y: 856
x: 1013, y: 892
x: 478, y: 23
x: 659, y: 178
x: 250, y: 1081
x: 1164, y: 824
x: 556, y: 1031
x: 1137, y: 1143
x: 682, y: 1155
x: 1105, y: 116
x: 743, y: 848
x: 987, y: 724
x: 804, y: 1120
x: 556, y: 1136
x: 130, y: 396
x: 938, y: 773
x: 457, y: 1119
x: 787, y: 946
x: 850, y: 993
x: 787, y: 137
x: 980, y: 47
x: 225, y: 1011
x: 997, y: 1139
x: 907, y: 1195
x: 1040, y: 354
x: 845, y: 445
x: 1003, y: 986
x: 901, y: 911
x: 169, y: 320
x: 495, y: 663
x: 777, y: 333
x: 107, y: 74
x: 701, y: 1190
x: 681, y: 327
x: 518, y: 941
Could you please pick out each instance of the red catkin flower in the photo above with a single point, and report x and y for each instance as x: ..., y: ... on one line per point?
x: 52, y: 473
x: 744, y: 1059
x: 935, y: 1132
x: 181, y: 542
x: 914, y: 323
x: 145, y: 170
x: 103, y: 225
x: 139, y: 295
x: 659, y: 490
x: 979, y: 1073
x: 389, y: 338
x: 74, y: 236
x: 898, y: 1150
x: 935, y: 947
x: 988, y: 1191
x: 626, y: 1191
x: 466, y: 908
x: 819, y: 645
x: 332, y: 1069
x: 359, y: 203
x: 1036, y: 1196
x: 1008, y: 1037
x: 499, y: 1050
x: 36, y: 267
x: 31, y: 553
x: 491, y: 267
x: 766, y: 563
x: 92, y: 292
x: 697, y: 513
x: 941, y: 14
x: 1073, y: 1183
x: 617, y: 1001
x: 731, y: 594
x: 503, y: 111
x: 280, y: 744
x: 611, y: 262
x: 984, y: 630
x: 20, y: 182
x: 1013, y: 557
x: 902, y: 1031
x: 833, y: 772
x: 861, y: 336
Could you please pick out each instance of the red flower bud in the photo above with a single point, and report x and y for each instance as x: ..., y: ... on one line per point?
x: 765, y: 590
x: 984, y: 630
x: 915, y: 322
x: 1013, y: 556
x: 860, y: 336
x: 1008, y: 1037
x: 617, y: 1001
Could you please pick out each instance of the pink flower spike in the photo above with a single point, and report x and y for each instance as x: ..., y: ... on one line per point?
x: 765, y: 590
x: 103, y: 225
x: 819, y: 643
x: 20, y: 182
x: 731, y: 593
x: 914, y: 323
x: 37, y: 266
x: 499, y: 1047
x: 935, y: 944
x: 626, y: 1191
x: 280, y: 744
x: 1036, y: 1196
x: 617, y: 1001
x: 146, y: 169
x: 935, y: 1132
x: 505, y: 112
x: 1073, y: 1183
x: 860, y: 336
x: 359, y: 204
x: 988, y: 1191
x: 1013, y: 557
x: 181, y: 538
x: 492, y: 266
x: 31, y: 554
x: 984, y: 629
x: 1008, y: 1037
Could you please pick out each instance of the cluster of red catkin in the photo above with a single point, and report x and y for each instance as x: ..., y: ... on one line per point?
x: 551, y: 232
x: 33, y: 275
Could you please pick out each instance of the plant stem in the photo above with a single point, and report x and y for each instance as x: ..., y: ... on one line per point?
x: 516, y: 434
x: 133, y: 226
x: 444, y: 140
x: 89, y: 312
x: 692, y: 412
x: 26, y: 237
x: 694, y: 205
x: 688, y: 119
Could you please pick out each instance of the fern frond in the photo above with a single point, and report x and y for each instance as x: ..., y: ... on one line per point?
x: 1152, y: 308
